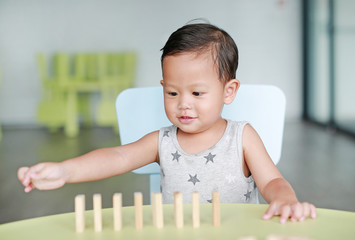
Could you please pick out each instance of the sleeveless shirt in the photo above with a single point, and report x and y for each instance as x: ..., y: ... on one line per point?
x: 219, y: 168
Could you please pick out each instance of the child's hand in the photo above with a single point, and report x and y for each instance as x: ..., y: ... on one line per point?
x: 43, y: 176
x: 297, y: 212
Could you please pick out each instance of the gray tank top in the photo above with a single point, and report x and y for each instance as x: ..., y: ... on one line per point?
x: 219, y: 168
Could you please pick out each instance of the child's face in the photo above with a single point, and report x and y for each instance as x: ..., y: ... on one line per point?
x: 193, y: 94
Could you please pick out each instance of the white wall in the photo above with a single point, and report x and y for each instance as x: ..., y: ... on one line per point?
x: 267, y: 32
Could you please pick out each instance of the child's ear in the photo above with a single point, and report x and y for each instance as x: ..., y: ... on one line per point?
x: 162, y: 82
x: 230, y: 90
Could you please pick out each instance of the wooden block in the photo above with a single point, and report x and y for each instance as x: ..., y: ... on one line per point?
x: 97, y: 202
x: 154, y: 211
x: 117, y: 211
x: 80, y: 213
x: 195, y: 210
x: 178, y: 210
x: 157, y: 206
x: 138, y: 204
x: 216, y: 211
x: 248, y: 238
x: 286, y: 237
x: 274, y: 237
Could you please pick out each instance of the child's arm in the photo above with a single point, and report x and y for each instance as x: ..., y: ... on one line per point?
x: 272, y: 186
x: 95, y: 165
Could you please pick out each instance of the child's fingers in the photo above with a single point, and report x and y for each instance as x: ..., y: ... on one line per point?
x: 37, y: 169
x: 297, y: 212
x: 271, y: 211
x: 309, y: 210
x: 313, y: 211
x: 285, y: 213
x: 21, y: 176
x: 306, y: 211
x: 21, y: 173
x: 29, y: 188
x: 301, y: 211
x: 48, y: 184
x: 32, y: 171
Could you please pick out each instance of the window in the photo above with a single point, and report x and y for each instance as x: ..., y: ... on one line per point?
x: 329, y: 63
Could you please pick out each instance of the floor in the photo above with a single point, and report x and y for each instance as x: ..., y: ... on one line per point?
x: 319, y: 164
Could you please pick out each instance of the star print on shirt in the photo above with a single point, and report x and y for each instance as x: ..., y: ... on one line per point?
x: 176, y: 156
x: 193, y: 179
x: 209, y: 157
x: 247, y: 195
x: 166, y: 134
x: 231, y: 179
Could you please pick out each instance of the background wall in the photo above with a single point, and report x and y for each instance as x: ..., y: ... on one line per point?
x: 267, y: 32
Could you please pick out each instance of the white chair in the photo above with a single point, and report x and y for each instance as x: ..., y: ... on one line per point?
x: 141, y: 110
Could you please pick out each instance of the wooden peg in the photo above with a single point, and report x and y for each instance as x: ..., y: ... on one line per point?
x: 80, y: 213
x: 97, y: 202
x: 247, y: 238
x: 286, y: 237
x: 178, y: 209
x: 216, y: 211
x: 117, y: 211
x: 158, y: 219
x: 195, y: 210
x: 138, y: 203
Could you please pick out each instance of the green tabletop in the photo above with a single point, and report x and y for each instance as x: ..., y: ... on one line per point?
x: 237, y: 220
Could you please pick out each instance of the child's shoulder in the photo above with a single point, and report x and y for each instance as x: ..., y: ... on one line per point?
x: 171, y: 128
x: 237, y: 124
x: 242, y: 129
x: 167, y: 131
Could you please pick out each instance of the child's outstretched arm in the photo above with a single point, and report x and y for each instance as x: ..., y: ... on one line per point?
x: 272, y: 186
x: 95, y: 165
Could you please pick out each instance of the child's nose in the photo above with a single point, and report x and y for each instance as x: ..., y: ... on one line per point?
x: 184, y: 102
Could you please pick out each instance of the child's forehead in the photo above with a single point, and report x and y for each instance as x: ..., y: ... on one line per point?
x: 192, y: 56
x: 190, y: 65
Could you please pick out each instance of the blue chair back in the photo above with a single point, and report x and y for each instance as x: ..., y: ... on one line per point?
x: 141, y: 111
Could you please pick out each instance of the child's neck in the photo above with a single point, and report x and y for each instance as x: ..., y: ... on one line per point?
x: 198, y: 142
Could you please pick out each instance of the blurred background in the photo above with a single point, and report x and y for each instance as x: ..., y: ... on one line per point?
x: 59, y: 75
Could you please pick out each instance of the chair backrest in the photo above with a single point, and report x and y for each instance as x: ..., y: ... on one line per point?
x: 141, y: 110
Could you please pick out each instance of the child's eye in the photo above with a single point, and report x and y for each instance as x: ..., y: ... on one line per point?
x: 197, y: 94
x: 172, y: 94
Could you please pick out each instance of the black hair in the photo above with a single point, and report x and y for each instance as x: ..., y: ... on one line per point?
x: 203, y: 37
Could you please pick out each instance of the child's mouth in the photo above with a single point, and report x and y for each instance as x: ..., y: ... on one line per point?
x: 186, y: 119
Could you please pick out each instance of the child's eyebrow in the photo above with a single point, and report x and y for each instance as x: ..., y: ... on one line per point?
x: 194, y: 85
x: 200, y: 84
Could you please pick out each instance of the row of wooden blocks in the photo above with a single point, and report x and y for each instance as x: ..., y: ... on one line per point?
x: 277, y: 237
x: 157, y: 211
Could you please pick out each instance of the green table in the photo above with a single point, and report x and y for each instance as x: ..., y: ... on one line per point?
x: 236, y: 220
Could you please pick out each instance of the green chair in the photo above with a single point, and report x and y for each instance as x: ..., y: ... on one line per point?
x: 61, y: 103
x: 58, y: 104
x: 116, y: 73
x: 84, y: 74
x: 51, y: 109
x: 67, y: 92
